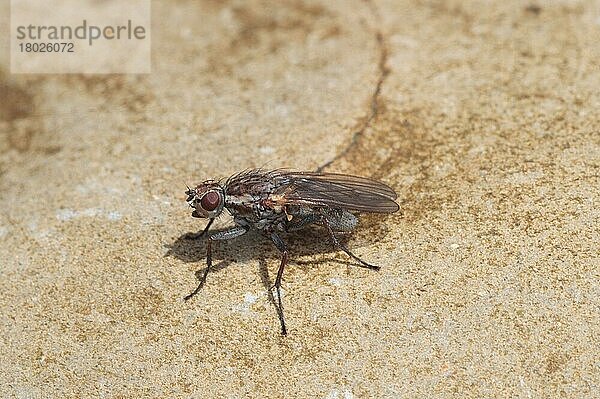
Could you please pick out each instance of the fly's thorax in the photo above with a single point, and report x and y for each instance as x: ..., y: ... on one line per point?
x: 239, y: 201
x: 244, y: 205
x: 255, y: 211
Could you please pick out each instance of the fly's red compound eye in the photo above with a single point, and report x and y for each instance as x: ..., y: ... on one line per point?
x: 210, y: 201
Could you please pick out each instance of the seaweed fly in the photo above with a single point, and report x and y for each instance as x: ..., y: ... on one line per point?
x: 279, y: 201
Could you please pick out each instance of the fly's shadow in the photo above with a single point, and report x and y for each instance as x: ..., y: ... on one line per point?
x: 252, y: 246
x: 312, y: 240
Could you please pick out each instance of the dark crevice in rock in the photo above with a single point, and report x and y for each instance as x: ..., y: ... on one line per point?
x: 373, y: 111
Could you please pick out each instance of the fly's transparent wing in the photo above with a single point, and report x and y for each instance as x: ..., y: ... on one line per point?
x: 337, y: 191
x: 356, y: 182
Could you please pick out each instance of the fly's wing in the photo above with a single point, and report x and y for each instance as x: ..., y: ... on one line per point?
x: 337, y: 191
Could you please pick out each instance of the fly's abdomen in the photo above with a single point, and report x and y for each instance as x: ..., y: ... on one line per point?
x: 341, y: 220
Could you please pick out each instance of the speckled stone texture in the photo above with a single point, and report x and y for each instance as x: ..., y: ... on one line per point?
x: 483, y: 115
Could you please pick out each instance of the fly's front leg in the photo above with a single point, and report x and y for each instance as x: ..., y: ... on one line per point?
x: 195, y: 236
x: 223, y: 235
x: 343, y: 248
x: 284, y: 259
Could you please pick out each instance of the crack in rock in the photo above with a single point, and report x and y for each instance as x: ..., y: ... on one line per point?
x: 374, y: 107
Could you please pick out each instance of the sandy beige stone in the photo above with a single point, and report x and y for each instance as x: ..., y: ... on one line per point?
x: 482, y: 115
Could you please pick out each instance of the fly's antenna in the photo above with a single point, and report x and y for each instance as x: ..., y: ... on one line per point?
x: 189, y: 193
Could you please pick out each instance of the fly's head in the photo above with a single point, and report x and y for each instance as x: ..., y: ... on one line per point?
x: 207, y: 199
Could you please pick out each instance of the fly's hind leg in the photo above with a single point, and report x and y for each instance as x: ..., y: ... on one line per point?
x: 284, y: 259
x: 223, y: 235
x: 338, y: 244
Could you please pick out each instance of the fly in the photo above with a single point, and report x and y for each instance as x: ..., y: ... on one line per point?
x: 280, y: 201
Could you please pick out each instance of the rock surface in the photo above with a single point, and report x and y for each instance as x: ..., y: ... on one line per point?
x: 483, y: 117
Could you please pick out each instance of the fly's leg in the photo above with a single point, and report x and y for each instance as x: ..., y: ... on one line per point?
x: 223, y: 235
x: 343, y: 248
x: 195, y: 236
x: 284, y: 258
x: 206, y: 270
